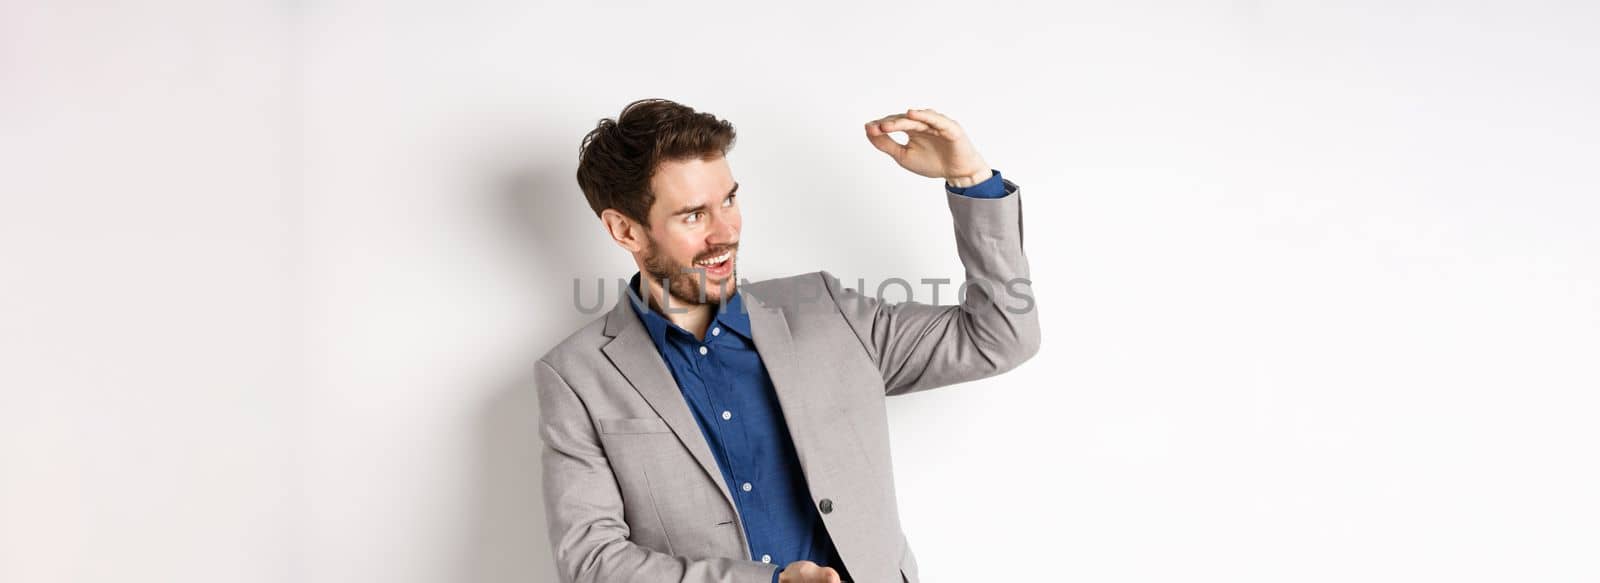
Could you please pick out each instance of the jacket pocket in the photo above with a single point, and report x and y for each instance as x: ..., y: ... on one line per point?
x: 626, y: 425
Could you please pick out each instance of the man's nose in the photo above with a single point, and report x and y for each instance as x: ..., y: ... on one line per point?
x: 724, y: 230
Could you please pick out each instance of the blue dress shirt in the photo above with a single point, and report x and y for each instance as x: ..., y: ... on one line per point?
x: 727, y: 388
x: 994, y: 187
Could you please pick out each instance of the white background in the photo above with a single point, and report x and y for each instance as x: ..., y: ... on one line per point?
x: 1318, y: 279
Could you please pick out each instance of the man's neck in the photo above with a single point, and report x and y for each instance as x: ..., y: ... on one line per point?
x: 692, y: 317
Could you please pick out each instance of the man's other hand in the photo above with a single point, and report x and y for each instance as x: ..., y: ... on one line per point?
x: 808, y: 572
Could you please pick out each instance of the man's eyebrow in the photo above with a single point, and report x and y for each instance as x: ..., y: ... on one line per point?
x: 701, y: 207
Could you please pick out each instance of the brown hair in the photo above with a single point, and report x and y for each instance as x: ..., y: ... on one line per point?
x: 618, y: 157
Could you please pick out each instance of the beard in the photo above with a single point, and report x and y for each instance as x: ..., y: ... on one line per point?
x: 687, y: 283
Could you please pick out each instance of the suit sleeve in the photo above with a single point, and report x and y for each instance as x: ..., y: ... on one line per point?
x: 583, y: 506
x: 921, y: 346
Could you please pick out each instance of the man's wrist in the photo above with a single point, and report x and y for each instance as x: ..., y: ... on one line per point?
x: 966, y: 181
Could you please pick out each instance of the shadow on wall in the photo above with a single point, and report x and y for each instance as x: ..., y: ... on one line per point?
x: 545, y: 223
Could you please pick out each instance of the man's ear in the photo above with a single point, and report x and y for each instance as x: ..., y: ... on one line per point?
x: 628, y: 233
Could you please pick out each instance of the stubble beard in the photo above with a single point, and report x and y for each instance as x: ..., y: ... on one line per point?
x: 684, y: 281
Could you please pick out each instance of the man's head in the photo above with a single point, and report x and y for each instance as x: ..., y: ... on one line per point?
x: 658, y: 178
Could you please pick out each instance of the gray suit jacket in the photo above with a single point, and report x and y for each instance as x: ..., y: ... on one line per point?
x: 631, y: 490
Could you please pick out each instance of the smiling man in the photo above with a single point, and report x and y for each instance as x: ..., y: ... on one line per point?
x: 706, y: 430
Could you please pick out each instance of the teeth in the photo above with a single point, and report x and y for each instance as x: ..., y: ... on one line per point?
x: 715, y: 260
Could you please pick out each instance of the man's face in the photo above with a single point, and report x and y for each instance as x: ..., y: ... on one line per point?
x: 693, y: 239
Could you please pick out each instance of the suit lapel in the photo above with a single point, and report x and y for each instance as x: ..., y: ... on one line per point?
x: 631, y: 350
x: 769, y: 327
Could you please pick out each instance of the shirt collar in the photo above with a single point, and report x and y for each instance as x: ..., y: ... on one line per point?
x: 730, y: 314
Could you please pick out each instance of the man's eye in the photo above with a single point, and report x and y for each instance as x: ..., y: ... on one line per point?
x: 693, y: 217
x: 729, y: 200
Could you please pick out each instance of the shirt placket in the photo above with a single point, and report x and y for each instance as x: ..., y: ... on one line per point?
x: 729, y: 415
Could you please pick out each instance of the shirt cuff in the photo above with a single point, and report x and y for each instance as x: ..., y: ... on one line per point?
x: 994, y: 187
x: 775, y: 575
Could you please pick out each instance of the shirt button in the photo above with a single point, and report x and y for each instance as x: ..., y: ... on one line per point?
x: 747, y: 486
x: 716, y: 331
x: 726, y: 415
x: 766, y: 558
x: 702, y: 350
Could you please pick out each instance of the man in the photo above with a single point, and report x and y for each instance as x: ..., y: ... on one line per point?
x: 712, y: 431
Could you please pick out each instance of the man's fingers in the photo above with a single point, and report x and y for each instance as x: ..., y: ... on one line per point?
x: 913, y: 121
x: 891, y: 117
x: 883, y: 142
x: 899, y: 122
x: 947, y: 127
x: 833, y: 576
x: 879, y: 129
x: 902, y: 124
x: 877, y: 125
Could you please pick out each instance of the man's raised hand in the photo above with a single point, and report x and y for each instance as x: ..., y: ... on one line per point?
x: 936, y: 146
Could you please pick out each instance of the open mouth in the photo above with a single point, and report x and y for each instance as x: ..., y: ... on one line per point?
x: 719, y: 266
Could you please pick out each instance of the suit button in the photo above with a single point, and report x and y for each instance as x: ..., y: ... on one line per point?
x: 825, y: 506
